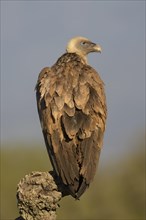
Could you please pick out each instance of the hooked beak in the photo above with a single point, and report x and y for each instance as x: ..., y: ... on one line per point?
x: 97, y: 48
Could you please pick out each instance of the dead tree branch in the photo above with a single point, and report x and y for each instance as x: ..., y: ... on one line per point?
x: 38, y: 194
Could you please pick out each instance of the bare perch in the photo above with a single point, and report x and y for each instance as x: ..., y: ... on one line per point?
x: 38, y: 196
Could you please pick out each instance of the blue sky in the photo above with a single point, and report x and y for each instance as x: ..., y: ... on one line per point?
x: 35, y: 33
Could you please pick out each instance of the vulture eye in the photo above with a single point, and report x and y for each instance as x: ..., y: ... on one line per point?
x: 84, y: 43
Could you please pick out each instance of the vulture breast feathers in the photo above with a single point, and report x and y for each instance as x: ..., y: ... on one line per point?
x: 72, y: 110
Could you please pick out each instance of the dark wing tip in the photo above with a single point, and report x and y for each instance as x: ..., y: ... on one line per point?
x: 82, y: 189
x: 78, y: 189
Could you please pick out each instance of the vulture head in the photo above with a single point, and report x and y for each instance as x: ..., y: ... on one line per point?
x: 82, y: 46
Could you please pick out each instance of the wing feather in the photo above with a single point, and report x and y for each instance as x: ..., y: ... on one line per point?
x: 72, y: 109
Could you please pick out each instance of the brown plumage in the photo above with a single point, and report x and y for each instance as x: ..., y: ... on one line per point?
x: 72, y: 110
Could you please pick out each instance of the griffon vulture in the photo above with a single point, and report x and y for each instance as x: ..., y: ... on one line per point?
x: 72, y: 109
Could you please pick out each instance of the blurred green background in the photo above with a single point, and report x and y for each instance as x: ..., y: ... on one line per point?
x: 117, y: 192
